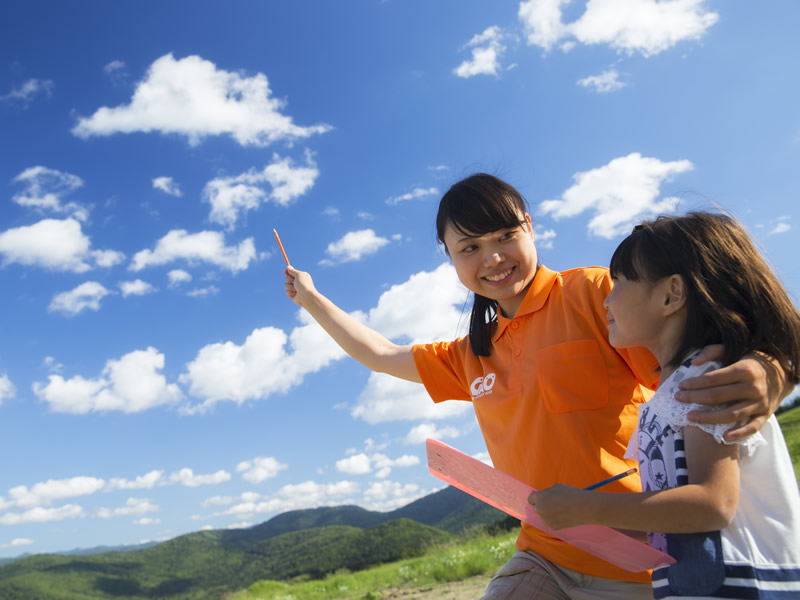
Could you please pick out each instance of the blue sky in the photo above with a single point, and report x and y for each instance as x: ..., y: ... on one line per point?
x: 154, y: 378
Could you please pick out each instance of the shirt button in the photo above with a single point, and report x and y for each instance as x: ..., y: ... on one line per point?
x: 514, y: 325
x: 517, y: 352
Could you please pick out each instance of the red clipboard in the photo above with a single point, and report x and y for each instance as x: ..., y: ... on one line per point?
x: 511, y: 496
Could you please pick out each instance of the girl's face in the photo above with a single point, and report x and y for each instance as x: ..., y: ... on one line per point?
x: 499, y: 265
x: 635, y: 313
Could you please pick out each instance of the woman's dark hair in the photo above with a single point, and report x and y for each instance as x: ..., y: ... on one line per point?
x: 475, y: 206
x: 733, y: 297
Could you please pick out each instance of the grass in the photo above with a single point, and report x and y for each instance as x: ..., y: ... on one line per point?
x: 477, y: 555
x: 790, y: 424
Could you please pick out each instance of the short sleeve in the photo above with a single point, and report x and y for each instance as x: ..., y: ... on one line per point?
x: 441, y: 367
x: 676, y: 413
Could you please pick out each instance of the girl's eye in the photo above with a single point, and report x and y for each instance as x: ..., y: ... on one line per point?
x: 508, y: 235
x: 468, y: 249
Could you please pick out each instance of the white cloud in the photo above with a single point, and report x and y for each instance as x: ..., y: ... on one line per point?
x: 358, y: 464
x: 605, y: 82
x: 142, y: 482
x: 54, y: 244
x: 544, y: 237
x: 423, y: 431
x: 147, y: 521
x: 86, y: 296
x: 131, y: 384
x: 116, y: 71
x: 187, y: 478
x: 261, y: 366
x: 24, y: 94
x: 44, y: 189
x: 620, y: 194
x: 230, y: 197
x: 193, y: 98
x: 782, y: 226
x: 43, y: 515
x: 178, y: 276
x: 487, y: 49
x: 45, y: 493
x: 354, y: 246
x: 201, y: 292
x: 17, y: 543
x: 133, y: 506
x: 413, y: 195
x: 644, y: 26
x: 168, y: 186
x: 259, y: 468
x: 206, y: 246
x: 388, y: 495
x: 136, y: 287
x: 7, y: 389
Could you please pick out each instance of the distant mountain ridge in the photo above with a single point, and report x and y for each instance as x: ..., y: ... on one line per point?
x: 208, y: 564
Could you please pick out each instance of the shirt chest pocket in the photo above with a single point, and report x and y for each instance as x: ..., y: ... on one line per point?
x: 572, y: 376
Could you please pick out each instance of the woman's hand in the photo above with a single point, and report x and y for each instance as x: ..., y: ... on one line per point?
x: 299, y: 285
x: 753, y: 387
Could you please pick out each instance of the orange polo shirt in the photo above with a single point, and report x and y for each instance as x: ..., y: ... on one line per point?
x: 555, y: 402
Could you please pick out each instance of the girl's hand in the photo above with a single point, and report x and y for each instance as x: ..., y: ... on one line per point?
x: 753, y: 386
x: 299, y: 285
x: 560, y: 506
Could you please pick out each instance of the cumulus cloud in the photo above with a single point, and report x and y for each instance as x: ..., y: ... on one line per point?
x: 43, y: 515
x: 136, y: 287
x: 168, y: 186
x: 620, y: 194
x: 54, y: 244
x: 205, y: 246
x: 131, y: 384
x: 413, y: 195
x: 629, y: 26
x: 487, y: 48
x: 187, y: 478
x: 605, y: 82
x: 353, y: 246
x: 268, y: 362
x: 47, y: 492
x: 7, y: 389
x: 259, y: 468
x: 142, y: 482
x: 87, y: 295
x: 44, y: 189
x: 117, y: 71
x: 782, y: 226
x: 24, y: 94
x: 177, y: 277
x: 388, y: 495
x: 544, y: 237
x: 424, y: 431
x: 133, y: 506
x: 193, y: 98
x: 230, y: 197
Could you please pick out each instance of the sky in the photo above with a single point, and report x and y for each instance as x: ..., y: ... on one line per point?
x: 154, y: 378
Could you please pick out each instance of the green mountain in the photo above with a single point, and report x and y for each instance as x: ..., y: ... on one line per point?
x: 208, y: 564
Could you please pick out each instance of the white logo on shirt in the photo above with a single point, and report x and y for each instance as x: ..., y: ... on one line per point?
x: 482, y: 386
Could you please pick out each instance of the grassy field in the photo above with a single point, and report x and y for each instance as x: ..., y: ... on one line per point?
x: 481, y: 554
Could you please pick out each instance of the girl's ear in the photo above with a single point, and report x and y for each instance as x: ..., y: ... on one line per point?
x: 675, y: 297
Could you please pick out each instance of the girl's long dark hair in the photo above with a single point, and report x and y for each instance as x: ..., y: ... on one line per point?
x: 477, y: 205
x: 733, y: 297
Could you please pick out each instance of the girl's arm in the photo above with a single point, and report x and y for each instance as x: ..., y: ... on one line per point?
x: 366, y: 345
x: 707, y: 503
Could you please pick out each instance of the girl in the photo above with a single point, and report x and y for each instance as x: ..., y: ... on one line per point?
x: 730, y: 513
x: 555, y: 402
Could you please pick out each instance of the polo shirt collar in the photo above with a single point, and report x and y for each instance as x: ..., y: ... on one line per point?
x: 533, y: 301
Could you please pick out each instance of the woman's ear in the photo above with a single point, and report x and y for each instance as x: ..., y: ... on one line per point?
x: 675, y: 296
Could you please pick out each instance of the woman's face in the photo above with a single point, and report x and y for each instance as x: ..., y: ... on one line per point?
x: 499, y: 265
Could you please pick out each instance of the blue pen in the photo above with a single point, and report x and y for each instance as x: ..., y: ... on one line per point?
x: 610, y: 479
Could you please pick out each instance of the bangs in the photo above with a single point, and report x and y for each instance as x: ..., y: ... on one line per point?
x: 480, y: 205
x: 626, y: 261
